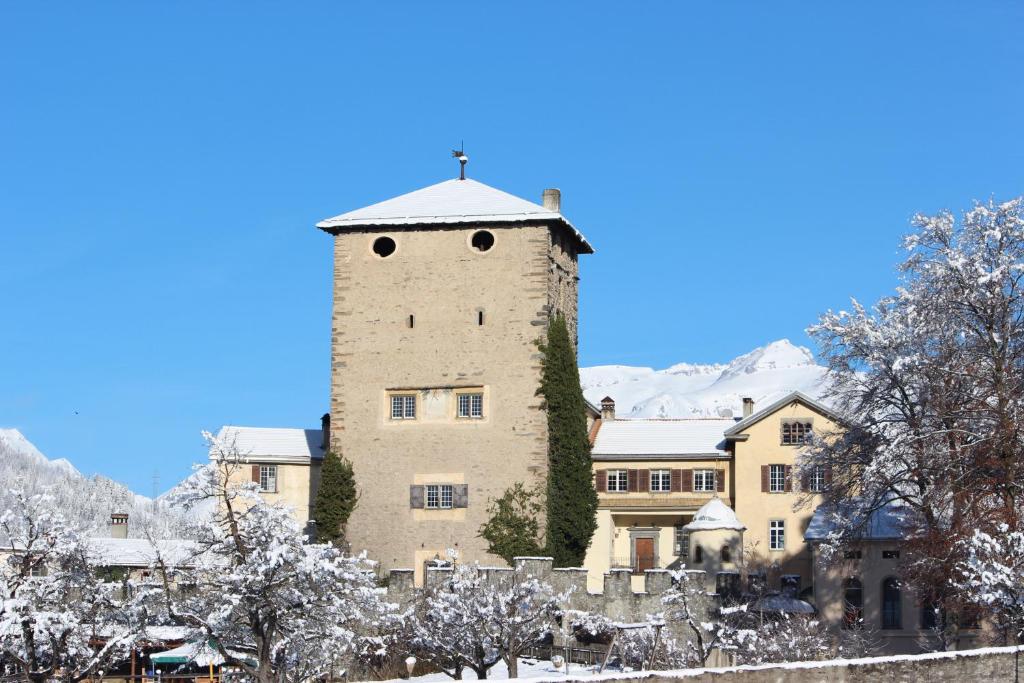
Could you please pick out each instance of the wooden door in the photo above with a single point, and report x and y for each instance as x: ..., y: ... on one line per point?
x: 643, y: 550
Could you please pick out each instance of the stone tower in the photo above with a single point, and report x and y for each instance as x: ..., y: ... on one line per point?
x: 440, y: 298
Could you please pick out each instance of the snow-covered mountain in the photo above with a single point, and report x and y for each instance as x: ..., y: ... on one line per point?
x: 766, y: 374
x: 87, y: 500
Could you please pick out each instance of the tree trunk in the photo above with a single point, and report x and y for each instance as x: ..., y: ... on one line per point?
x: 513, y: 666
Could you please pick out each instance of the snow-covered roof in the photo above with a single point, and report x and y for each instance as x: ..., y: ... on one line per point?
x: 746, y: 422
x: 884, y: 524
x: 715, y: 514
x: 274, y: 444
x: 660, y: 439
x: 450, y: 202
x: 776, y: 602
x: 138, y: 552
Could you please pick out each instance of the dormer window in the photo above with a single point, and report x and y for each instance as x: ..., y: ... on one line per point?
x: 795, y: 432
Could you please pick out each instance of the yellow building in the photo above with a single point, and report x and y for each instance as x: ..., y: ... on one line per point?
x: 284, y: 462
x: 653, y: 476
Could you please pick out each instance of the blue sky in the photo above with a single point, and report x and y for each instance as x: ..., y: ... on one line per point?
x: 740, y: 167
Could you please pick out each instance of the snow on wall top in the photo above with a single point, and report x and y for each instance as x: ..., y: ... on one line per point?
x: 275, y: 444
x: 715, y: 514
x: 450, y: 201
x: 676, y: 438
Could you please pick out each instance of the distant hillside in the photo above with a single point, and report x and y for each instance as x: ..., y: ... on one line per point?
x: 87, y: 500
x: 766, y: 374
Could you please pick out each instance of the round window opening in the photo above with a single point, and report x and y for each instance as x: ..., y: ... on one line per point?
x: 383, y: 247
x: 482, y: 240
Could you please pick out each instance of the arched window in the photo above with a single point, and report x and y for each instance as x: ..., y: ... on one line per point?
x: 726, y: 554
x: 853, y: 602
x: 698, y: 555
x: 891, y: 604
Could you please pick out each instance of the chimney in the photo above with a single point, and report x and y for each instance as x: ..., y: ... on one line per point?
x: 552, y: 200
x: 748, y: 406
x: 325, y: 427
x: 607, y: 408
x: 119, y: 525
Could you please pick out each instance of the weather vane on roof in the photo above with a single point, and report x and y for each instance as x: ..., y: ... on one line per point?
x: 461, y: 156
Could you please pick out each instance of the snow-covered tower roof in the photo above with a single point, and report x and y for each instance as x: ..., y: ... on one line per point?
x: 715, y: 514
x: 451, y: 202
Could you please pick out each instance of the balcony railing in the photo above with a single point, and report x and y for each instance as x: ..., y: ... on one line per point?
x: 637, y: 565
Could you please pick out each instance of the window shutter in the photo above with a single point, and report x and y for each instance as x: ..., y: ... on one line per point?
x: 631, y: 480
x: 602, y: 481
x: 256, y: 473
x: 805, y: 481
x: 687, y: 480
x: 460, y: 496
x: 789, y: 477
x: 677, y: 481
x: 643, y: 480
x: 416, y: 497
x: 764, y: 478
x: 828, y: 476
x: 720, y: 481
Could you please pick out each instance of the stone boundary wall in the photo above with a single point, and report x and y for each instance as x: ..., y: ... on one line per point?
x: 618, y: 602
x: 963, y: 666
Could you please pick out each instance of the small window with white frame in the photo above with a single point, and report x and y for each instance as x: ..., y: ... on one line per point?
x: 703, y: 480
x: 816, y: 482
x: 795, y: 432
x: 439, y: 496
x: 661, y: 481
x: 471, y: 406
x: 776, y: 478
x: 618, y: 481
x: 403, y: 406
x: 777, y: 534
x: 268, y: 478
x: 682, y: 541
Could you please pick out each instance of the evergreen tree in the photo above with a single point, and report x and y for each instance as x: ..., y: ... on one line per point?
x: 571, y: 497
x: 513, y: 527
x: 335, y: 499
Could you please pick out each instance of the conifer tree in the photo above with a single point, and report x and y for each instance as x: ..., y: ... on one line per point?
x: 335, y: 499
x: 571, y: 497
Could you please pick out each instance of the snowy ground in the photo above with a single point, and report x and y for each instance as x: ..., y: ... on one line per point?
x: 528, y: 668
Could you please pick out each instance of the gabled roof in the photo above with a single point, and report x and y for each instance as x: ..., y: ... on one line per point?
x: 746, y: 422
x: 139, y: 552
x: 660, y: 439
x: 274, y: 444
x: 887, y: 523
x: 715, y: 514
x: 450, y: 202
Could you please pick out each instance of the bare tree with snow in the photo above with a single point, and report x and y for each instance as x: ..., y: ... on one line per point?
x: 57, y: 619
x: 931, y: 381
x: 272, y: 604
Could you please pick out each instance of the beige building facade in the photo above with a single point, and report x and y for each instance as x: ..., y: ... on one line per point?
x: 440, y: 299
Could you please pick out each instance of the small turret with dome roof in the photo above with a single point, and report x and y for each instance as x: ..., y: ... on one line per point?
x: 715, y: 541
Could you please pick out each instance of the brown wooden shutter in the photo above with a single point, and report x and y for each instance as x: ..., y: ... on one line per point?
x: 602, y: 481
x: 677, y: 481
x: 828, y: 476
x: 764, y: 478
x: 789, y: 477
x: 631, y: 480
x: 256, y: 473
x: 643, y: 480
x: 416, y: 497
x: 805, y: 481
x: 720, y: 480
x: 687, y: 481
x: 460, y: 496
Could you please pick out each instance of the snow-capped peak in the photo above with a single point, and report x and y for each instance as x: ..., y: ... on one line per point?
x: 778, y: 355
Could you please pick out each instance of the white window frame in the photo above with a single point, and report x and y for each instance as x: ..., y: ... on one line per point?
x: 661, y: 481
x: 776, y: 478
x: 403, y: 406
x: 816, y: 482
x: 439, y: 496
x: 470, y: 406
x: 777, y: 535
x: 681, y: 542
x: 704, y: 481
x: 268, y: 478
x: 621, y: 478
